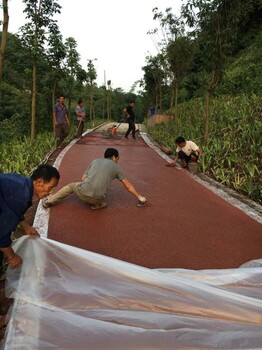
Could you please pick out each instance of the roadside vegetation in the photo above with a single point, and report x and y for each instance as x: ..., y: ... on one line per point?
x: 21, y: 155
x: 232, y: 153
x: 206, y: 75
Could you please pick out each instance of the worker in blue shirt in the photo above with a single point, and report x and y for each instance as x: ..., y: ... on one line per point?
x: 16, y: 193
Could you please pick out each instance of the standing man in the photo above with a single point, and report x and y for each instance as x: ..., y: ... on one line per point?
x: 95, y: 183
x: 16, y: 193
x: 130, y: 115
x: 60, y: 120
x: 80, y: 115
x: 186, y: 151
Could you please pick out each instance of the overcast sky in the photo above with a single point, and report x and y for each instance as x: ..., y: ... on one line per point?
x: 114, y: 32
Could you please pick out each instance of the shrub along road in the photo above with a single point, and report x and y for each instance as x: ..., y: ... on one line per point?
x: 184, y: 226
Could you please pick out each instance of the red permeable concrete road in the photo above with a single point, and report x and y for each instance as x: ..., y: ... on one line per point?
x: 185, y: 225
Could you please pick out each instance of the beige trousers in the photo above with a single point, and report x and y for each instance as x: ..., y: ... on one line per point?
x: 72, y: 188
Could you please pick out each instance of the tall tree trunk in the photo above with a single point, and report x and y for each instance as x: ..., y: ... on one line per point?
x: 33, y: 105
x: 4, y: 36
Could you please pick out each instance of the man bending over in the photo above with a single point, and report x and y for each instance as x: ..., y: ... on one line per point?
x: 95, y: 182
x: 186, y: 151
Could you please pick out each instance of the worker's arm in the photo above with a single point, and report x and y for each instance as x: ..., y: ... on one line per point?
x: 130, y: 188
x: 28, y: 229
x: 200, y: 152
x: 126, y: 113
x: 173, y: 163
x: 67, y: 120
x: 175, y: 159
x: 80, y: 114
x: 13, y: 259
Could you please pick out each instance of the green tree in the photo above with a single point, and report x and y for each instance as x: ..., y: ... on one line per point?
x: 154, y: 77
x: 16, y: 69
x: 90, y: 78
x: 180, y: 55
x: 56, y: 53
x: 215, y: 24
x: 34, y: 35
x: 72, y: 67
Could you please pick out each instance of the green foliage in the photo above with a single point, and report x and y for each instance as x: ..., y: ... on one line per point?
x: 243, y: 74
x: 180, y: 56
x: 22, y: 156
x: 16, y: 69
x: 232, y: 154
x: 40, y: 24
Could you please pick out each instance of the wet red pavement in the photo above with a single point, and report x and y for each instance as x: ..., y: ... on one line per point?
x: 185, y: 226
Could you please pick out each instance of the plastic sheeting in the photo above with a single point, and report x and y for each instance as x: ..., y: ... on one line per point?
x: 68, y: 298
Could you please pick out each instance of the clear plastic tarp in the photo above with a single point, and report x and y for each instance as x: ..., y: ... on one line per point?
x: 69, y: 298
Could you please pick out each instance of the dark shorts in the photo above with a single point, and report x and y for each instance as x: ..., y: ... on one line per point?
x: 193, y: 157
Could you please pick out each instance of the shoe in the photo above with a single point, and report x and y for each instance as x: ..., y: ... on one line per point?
x: 47, y: 204
x: 99, y: 206
x: 170, y: 165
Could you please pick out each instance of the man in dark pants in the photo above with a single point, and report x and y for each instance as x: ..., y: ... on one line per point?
x: 130, y: 115
x: 16, y: 193
x: 186, y: 151
x: 60, y: 120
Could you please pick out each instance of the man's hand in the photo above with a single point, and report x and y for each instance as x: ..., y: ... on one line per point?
x: 29, y: 230
x: 32, y: 232
x: 142, y: 199
x: 15, y: 261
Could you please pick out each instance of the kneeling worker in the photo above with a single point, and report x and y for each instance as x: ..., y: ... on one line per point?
x: 95, y: 182
x: 187, y: 151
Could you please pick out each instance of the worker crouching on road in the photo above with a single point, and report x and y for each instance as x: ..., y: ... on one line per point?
x: 186, y: 151
x: 95, y: 182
